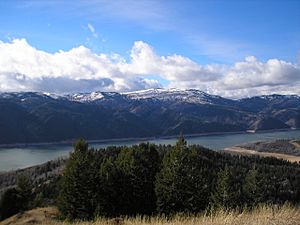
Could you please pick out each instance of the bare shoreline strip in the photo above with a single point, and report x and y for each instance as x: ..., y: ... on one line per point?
x: 242, y: 151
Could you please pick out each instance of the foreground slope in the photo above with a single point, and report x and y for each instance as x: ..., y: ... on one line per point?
x: 260, y: 216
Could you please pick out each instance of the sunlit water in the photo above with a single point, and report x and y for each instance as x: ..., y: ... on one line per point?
x: 20, y: 157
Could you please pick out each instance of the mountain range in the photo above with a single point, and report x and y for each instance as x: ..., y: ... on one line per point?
x: 28, y: 117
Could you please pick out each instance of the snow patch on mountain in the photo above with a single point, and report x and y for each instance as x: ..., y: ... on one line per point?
x: 274, y: 96
x: 85, y: 97
x: 189, y: 95
x: 192, y: 96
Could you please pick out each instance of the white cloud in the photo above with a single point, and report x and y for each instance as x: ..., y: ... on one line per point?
x: 92, y: 30
x: 23, y: 67
x: 252, y: 73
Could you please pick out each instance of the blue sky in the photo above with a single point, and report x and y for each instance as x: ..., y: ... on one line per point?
x: 206, y: 32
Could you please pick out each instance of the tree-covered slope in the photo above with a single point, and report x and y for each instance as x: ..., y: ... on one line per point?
x: 37, y: 117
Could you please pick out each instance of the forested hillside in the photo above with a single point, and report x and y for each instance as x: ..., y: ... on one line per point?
x: 152, y: 179
x: 28, y: 117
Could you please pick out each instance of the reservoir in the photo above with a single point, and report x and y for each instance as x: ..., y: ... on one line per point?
x: 21, y: 157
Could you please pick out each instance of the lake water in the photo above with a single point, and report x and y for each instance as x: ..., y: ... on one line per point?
x: 20, y: 157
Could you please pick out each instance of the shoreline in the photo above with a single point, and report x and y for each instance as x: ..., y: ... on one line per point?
x: 70, y: 142
x: 227, y: 149
x: 243, y: 151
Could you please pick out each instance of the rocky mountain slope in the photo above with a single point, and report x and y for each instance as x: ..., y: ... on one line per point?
x: 27, y: 117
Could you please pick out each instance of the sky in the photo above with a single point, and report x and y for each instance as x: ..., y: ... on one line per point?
x: 230, y: 48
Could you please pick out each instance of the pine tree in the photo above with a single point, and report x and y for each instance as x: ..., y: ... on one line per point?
x: 250, y: 188
x: 16, y: 199
x: 77, y: 197
x: 141, y: 164
x: 182, y: 183
x: 9, y: 204
x: 223, y: 196
x: 181, y: 142
x: 108, y: 189
x: 127, y: 183
x: 24, y: 191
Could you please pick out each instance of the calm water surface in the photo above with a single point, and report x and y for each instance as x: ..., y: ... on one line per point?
x: 20, y: 157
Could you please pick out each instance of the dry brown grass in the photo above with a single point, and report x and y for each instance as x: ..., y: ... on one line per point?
x: 35, y: 216
x: 264, y: 215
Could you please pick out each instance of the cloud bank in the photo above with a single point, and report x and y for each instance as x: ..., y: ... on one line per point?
x: 25, y: 68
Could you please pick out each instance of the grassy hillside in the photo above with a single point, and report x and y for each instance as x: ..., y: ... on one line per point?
x: 262, y: 215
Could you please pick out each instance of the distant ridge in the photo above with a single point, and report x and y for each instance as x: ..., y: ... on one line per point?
x: 27, y: 117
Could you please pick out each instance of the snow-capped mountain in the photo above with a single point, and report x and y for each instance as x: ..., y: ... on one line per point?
x: 164, y: 95
x: 43, y: 117
x: 85, y: 97
x: 189, y: 95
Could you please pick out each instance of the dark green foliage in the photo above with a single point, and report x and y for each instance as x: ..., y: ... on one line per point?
x: 148, y: 179
x: 9, y: 204
x: 46, y: 193
x: 39, y: 174
x: 17, y: 199
x: 77, y: 195
x: 182, y: 184
x: 24, y: 190
x: 108, y: 192
x: 251, y: 192
x: 128, y: 181
x: 224, y: 195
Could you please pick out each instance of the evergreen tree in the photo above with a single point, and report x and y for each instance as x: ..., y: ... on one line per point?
x: 250, y: 188
x: 24, y: 192
x: 9, y: 204
x: 77, y: 193
x: 223, y: 195
x: 129, y: 180
x: 17, y: 199
x: 182, y: 184
x: 109, y: 189
x: 127, y: 183
x: 181, y: 142
x: 140, y: 165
